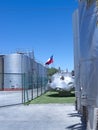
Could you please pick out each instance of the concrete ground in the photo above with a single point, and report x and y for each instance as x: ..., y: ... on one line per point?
x: 8, y: 98
x: 40, y: 117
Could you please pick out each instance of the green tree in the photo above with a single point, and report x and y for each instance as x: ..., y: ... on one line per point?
x: 52, y: 71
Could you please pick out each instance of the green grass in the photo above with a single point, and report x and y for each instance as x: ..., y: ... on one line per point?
x: 54, y: 97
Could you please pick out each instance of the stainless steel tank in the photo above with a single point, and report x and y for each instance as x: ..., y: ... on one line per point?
x: 77, y: 57
x: 14, y: 66
x: 88, y: 61
x: 17, y: 64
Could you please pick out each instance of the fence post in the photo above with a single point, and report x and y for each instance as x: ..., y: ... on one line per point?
x: 37, y: 86
x: 41, y: 85
x: 23, y: 87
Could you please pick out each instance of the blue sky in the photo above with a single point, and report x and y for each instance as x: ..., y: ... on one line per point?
x: 44, y: 26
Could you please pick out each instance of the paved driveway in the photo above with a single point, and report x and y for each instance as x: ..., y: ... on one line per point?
x: 40, y: 117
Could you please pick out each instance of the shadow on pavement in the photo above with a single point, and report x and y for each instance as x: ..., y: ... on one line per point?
x: 78, y: 126
x: 11, y: 105
x: 75, y: 115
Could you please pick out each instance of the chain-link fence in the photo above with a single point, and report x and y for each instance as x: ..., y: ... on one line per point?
x: 17, y: 88
x: 34, y: 86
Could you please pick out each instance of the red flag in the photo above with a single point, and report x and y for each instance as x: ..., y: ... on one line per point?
x: 49, y: 61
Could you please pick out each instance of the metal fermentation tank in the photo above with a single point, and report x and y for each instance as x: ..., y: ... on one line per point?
x: 88, y: 60
x: 14, y: 66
